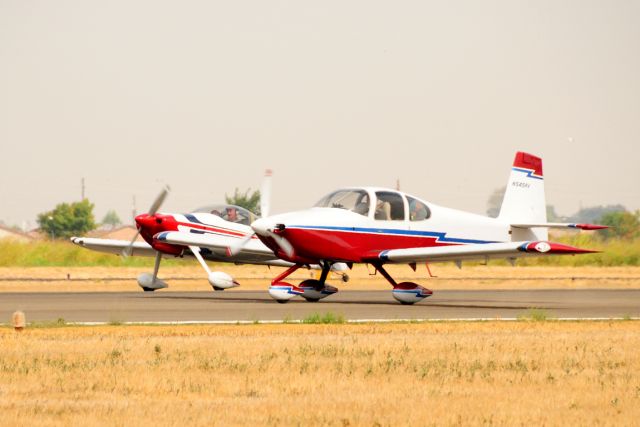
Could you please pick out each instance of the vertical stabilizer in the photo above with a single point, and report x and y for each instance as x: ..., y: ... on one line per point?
x: 524, y: 200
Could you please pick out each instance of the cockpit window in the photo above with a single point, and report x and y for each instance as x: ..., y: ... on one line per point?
x: 231, y: 213
x: 389, y: 206
x: 418, y: 211
x: 352, y: 200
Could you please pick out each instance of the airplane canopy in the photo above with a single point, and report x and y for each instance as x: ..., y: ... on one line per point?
x: 389, y: 205
x: 231, y: 213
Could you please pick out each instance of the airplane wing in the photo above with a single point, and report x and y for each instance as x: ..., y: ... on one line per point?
x: 459, y: 253
x: 115, y: 247
x: 254, y: 252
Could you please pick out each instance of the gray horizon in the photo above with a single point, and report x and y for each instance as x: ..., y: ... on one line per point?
x: 204, y: 96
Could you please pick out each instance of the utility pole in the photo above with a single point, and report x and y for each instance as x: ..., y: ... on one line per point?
x: 133, y: 210
x: 82, y: 185
x: 398, y: 184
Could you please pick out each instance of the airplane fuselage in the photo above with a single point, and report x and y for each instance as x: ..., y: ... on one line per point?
x: 325, y: 233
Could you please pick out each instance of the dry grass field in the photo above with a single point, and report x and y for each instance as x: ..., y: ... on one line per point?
x: 488, y: 373
x: 191, y: 277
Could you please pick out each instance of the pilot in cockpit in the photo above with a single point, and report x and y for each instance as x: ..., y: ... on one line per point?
x: 230, y: 214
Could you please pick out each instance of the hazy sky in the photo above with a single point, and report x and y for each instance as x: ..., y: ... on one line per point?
x: 205, y: 95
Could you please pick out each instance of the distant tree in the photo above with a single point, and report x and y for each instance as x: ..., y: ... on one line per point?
x: 495, y: 201
x: 624, y: 225
x: 245, y: 200
x: 112, y: 219
x: 68, y: 219
x: 552, y: 216
x: 594, y: 213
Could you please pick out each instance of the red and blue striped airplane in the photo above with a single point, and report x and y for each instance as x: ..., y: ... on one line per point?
x: 380, y: 226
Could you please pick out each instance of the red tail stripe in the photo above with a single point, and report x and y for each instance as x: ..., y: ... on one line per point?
x: 528, y: 161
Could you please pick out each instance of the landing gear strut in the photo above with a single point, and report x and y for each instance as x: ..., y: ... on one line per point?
x: 283, y: 291
x: 315, y: 290
x: 405, y: 293
x: 312, y: 290
x: 150, y: 282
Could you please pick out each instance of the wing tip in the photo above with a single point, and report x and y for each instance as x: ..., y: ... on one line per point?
x: 553, y: 248
x: 590, y: 227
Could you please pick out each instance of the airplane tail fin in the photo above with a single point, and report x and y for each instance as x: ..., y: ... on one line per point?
x: 524, y: 200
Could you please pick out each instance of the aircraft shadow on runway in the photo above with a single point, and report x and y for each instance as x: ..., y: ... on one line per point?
x: 268, y: 300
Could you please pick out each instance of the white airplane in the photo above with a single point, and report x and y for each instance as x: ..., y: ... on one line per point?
x: 222, y: 224
x: 380, y: 226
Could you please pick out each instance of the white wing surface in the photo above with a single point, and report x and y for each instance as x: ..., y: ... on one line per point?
x: 459, y: 253
x: 254, y: 252
x: 115, y: 247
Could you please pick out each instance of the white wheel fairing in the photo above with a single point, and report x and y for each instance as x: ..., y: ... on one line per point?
x: 313, y: 290
x: 410, y: 293
x: 284, y: 291
x: 221, y: 280
x: 145, y: 281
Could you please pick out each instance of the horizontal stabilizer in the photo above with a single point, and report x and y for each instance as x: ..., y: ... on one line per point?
x: 562, y: 225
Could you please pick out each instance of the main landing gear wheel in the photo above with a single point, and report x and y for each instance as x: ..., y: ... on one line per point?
x: 311, y: 290
x: 315, y: 290
x: 147, y: 289
x: 406, y: 293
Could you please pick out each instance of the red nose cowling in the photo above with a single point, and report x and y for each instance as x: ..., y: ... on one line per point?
x: 150, y: 225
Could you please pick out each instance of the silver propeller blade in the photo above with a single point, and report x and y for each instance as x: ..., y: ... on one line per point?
x: 126, y: 252
x: 159, y: 200
x: 283, y: 243
x: 265, y: 201
x: 236, y: 248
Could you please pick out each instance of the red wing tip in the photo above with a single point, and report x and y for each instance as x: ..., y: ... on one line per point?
x: 591, y: 226
x: 555, y: 248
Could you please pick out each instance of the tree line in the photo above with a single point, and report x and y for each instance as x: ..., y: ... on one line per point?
x: 77, y: 218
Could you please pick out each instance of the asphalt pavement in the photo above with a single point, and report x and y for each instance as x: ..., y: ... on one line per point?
x: 239, y: 305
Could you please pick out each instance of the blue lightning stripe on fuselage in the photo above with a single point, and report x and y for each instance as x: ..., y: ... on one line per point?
x: 192, y: 218
x: 440, y: 237
x: 529, y: 172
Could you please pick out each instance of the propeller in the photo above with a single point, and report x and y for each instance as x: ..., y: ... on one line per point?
x: 126, y: 252
x: 234, y: 249
x: 265, y: 201
x: 284, y: 244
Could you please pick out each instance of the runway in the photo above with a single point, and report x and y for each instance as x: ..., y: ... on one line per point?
x: 240, y: 305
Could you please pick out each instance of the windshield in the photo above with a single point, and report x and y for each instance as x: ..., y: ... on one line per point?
x: 352, y: 200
